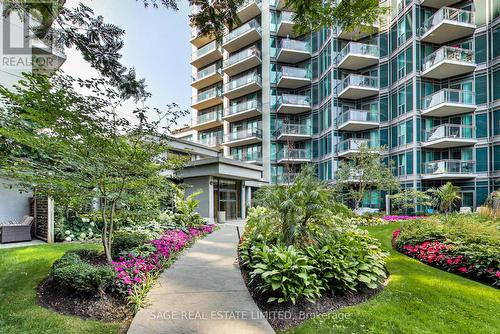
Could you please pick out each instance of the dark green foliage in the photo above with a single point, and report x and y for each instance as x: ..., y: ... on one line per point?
x: 126, y: 241
x: 74, y: 272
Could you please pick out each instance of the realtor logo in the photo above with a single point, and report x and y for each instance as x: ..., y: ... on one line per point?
x: 25, y: 43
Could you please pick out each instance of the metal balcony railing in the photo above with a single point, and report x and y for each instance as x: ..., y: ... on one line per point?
x: 207, y: 71
x: 452, y: 131
x: 210, y: 141
x: 294, y: 154
x: 212, y: 46
x: 447, y: 95
x: 450, y: 14
x: 207, y: 94
x: 294, y: 99
x: 358, y: 80
x: 448, y: 53
x: 294, y: 44
x: 214, y: 115
x: 355, y: 144
x: 358, y: 49
x: 357, y: 116
x: 294, y: 72
x: 294, y: 129
x: 246, y: 156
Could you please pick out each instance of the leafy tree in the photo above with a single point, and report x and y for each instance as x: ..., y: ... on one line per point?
x: 445, y: 196
x: 410, y: 198
x: 77, y: 147
x: 364, y: 171
x: 304, y: 202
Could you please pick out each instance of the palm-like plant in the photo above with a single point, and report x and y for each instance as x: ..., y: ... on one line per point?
x: 297, y: 205
x: 445, y: 196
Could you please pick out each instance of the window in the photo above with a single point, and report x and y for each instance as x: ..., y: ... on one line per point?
x: 481, y: 91
x: 481, y: 126
x: 480, y: 52
x: 482, y: 159
x: 401, y: 134
x: 401, y: 164
x: 401, y: 101
x: 401, y: 65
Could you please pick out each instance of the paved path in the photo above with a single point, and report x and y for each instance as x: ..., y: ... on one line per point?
x: 203, y: 292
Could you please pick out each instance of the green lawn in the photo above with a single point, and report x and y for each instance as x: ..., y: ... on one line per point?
x: 418, y: 299
x: 21, y: 270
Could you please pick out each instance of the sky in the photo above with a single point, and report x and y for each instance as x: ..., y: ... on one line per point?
x: 156, y: 45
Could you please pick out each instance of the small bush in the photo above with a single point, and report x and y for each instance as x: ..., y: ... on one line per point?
x: 126, y: 241
x: 73, y: 272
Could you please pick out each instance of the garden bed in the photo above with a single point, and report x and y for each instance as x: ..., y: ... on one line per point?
x: 82, y: 283
x: 282, y: 316
x: 467, y: 245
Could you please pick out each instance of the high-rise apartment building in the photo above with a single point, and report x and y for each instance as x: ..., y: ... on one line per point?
x: 424, y: 83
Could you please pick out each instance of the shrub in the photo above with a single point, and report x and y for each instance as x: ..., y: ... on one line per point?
x: 126, y: 241
x: 74, y: 273
x: 285, y: 274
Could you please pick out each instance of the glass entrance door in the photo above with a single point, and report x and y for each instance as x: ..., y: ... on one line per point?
x: 227, y: 198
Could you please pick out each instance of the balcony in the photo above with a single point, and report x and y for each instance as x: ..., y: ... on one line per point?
x: 349, y: 147
x: 449, y: 136
x: 448, y: 169
x: 247, y: 84
x: 210, y: 141
x: 51, y: 49
x: 248, y: 157
x: 437, y: 3
x: 447, y: 24
x: 243, y: 137
x: 208, y: 120
x: 364, y: 30
x: 242, y: 61
x: 355, y: 56
x: 208, y: 54
x: 207, y: 77
x: 293, y: 51
x: 199, y: 40
x: 207, y: 98
x: 285, y: 24
x: 448, y: 62
x: 244, y: 35
x: 356, y: 86
x: 448, y: 102
x: 357, y: 120
x: 244, y: 110
x: 281, y: 5
x: 294, y: 132
x: 293, y: 104
x: 249, y: 9
x: 293, y: 155
x: 288, y: 178
x: 293, y: 77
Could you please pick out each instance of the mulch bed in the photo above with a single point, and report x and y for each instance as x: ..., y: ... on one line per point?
x: 108, y: 308
x: 282, y: 316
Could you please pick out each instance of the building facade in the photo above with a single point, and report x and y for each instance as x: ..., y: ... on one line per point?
x: 424, y: 84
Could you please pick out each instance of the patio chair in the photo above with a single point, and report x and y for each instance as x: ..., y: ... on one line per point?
x: 17, y: 232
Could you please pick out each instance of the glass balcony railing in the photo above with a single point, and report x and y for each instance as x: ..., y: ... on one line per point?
x: 294, y: 129
x: 450, y: 14
x: 355, y: 144
x: 243, y: 106
x: 253, y: 24
x: 242, y: 81
x: 293, y: 99
x: 357, y: 116
x: 294, y: 44
x: 247, y: 156
x: 294, y: 154
x: 294, y: 72
x: 358, y: 49
x: 214, y: 115
x: 451, y: 131
x: 212, y: 46
x: 449, y: 167
x: 358, y: 80
x: 210, y: 141
x: 243, y: 134
x: 207, y: 94
x: 239, y: 56
x: 207, y: 71
x: 447, y: 95
x: 448, y: 53
x: 287, y: 178
x: 286, y: 17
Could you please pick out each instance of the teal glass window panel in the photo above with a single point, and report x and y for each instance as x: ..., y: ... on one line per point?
x: 496, y: 84
x: 480, y: 49
x: 383, y: 44
x: 409, y: 163
x: 384, y: 137
x: 481, y: 89
x: 409, y: 60
x: 384, y: 75
x: 481, y: 195
x: 496, y: 122
x: 409, y: 131
x: 409, y: 98
x: 482, y: 159
x: 384, y: 106
x: 496, y: 155
x: 481, y: 126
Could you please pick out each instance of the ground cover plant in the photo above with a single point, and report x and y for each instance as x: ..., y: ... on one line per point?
x: 296, y: 250
x: 468, y: 245
x: 417, y: 299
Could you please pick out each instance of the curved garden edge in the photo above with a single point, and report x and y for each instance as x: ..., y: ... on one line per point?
x: 283, y: 316
x: 106, y: 306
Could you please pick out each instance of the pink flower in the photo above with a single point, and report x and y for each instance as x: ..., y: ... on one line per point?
x: 462, y: 269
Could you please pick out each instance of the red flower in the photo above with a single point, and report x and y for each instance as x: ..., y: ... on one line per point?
x: 497, y: 274
x: 462, y: 269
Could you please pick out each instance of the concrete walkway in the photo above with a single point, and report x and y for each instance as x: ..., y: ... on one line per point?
x: 203, y: 292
